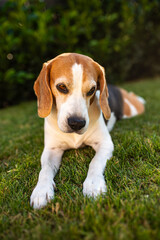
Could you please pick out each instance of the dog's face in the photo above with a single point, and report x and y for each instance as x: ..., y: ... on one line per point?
x: 69, y: 82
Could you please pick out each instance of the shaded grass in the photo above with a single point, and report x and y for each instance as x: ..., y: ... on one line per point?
x: 129, y: 210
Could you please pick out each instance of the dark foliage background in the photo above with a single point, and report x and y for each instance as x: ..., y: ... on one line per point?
x: 123, y: 36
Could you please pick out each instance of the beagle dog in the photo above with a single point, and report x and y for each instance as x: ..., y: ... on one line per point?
x: 79, y: 109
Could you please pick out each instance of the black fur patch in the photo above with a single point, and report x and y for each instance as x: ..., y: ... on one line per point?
x: 115, y: 101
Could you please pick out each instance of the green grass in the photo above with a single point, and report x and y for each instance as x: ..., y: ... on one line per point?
x: 129, y: 210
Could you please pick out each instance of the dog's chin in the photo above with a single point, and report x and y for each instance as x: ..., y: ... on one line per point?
x: 80, y: 132
x: 69, y: 130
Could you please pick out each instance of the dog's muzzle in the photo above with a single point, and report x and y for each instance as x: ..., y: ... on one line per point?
x: 76, y: 123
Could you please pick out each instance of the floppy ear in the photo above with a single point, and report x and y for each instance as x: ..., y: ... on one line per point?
x: 103, y: 99
x: 43, y: 91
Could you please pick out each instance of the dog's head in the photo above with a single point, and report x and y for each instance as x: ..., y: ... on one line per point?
x: 69, y: 83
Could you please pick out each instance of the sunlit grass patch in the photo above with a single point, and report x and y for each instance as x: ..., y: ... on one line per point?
x: 129, y: 210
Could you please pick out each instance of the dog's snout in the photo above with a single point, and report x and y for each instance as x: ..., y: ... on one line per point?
x: 76, y: 123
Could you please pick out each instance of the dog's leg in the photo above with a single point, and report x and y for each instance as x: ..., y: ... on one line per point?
x: 44, y: 190
x: 94, y: 183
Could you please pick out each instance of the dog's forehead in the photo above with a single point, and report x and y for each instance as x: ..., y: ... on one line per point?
x: 62, y: 66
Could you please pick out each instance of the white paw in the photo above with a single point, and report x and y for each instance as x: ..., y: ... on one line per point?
x: 42, y: 194
x: 94, y: 186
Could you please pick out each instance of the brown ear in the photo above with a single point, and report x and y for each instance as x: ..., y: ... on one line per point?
x: 43, y: 91
x: 103, y: 99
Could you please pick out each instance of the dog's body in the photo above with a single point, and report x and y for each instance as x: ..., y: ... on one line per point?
x: 73, y: 98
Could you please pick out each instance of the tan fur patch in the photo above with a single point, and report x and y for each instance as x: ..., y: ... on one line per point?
x: 131, y: 98
x: 62, y: 66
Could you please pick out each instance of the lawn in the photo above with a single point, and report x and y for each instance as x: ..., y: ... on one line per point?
x: 129, y: 210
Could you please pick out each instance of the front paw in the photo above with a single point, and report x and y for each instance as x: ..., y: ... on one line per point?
x: 94, y: 186
x: 42, y: 194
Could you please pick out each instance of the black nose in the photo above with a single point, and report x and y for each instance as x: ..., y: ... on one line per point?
x: 76, y: 123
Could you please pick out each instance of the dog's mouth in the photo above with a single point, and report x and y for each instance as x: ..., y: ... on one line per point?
x: 80, y: 132
x: 68, y: 130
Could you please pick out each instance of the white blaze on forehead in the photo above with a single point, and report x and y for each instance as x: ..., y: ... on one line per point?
x: 75, y: 104
x: 77, y: 72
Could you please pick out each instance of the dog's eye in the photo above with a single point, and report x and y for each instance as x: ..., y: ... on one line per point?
x: 91, y: 91
x: 62, y: 88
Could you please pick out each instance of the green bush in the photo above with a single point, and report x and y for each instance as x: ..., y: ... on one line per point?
x: 26, y: 35
x: 123, y: 36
